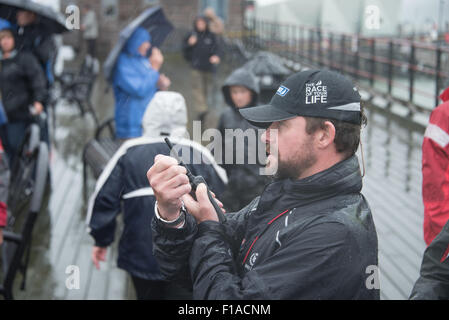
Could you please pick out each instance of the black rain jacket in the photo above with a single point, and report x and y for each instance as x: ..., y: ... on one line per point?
x: 312, y: 238
x: 205, y: 47
x: 433, y: 283
x: 22, y: 82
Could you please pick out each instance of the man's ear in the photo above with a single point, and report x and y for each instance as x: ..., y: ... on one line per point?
x: 325, y: 136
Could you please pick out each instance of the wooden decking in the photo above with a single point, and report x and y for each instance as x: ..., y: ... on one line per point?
x: 392, y: 186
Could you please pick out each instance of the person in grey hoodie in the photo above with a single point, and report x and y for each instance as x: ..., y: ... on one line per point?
x: 240, y: 90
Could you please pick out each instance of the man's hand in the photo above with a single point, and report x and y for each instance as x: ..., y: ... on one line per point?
x: 214, y: 59
x: 164, y: 82
x: 201, y: 208
x: 98, y: 254
x: 1, y: 235
x: 156, y: 59
x: 192, y: 40
x: 169, y: 182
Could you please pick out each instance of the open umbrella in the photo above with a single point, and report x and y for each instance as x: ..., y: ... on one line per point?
x: 154, y: 21
x: 50, y: 20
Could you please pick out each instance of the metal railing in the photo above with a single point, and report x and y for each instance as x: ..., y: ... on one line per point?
x: 406, y: 71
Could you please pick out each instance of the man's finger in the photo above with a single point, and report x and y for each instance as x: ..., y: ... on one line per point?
x: 202, y: 196
x: 161, y: 163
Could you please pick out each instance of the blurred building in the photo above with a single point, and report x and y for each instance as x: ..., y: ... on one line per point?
x: 367, y: 17
x: 114, y: 15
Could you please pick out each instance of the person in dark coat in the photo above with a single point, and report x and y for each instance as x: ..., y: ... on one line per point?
x: 123, y: 181
x: 309, y: 235
x: 433, y: 281
x: 201, y: 49
x: 32, y: 38
x: 240, y: 90
x: 23, y: 89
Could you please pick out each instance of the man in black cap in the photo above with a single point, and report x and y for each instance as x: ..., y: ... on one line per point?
x: 309, y: 235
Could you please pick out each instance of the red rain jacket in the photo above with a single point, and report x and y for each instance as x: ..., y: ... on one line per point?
x: 435, y: 170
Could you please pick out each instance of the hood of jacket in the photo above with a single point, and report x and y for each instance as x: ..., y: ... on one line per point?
x: 166, y: 114
x: 444, y: 96
x: 135, y: 41
x: 241, y: 77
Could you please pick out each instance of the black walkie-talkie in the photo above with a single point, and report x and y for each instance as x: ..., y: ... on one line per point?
x: 195, y: 181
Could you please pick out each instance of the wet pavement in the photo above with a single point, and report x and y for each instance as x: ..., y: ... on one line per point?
x: 392, y: 186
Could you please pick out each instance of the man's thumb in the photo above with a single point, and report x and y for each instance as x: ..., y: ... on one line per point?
x: 202, y: 196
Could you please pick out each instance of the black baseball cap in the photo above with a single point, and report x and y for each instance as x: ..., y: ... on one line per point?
x: 312, y: 93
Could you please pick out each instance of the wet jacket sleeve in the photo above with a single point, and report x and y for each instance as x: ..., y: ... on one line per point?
x: 106, y: 208
x: 133, y: 79
x: 36, y: 77
x: 172, y: 247
x: 294, y: 271
x: 433, y: 283
x: 435, y: 170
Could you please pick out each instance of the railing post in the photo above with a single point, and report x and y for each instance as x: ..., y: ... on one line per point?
x: 390, y: 66
x: 342, y: 54
x: 373, y: 61
x: 437, y: 76
x: 319, y: 39
x: 411, y: 72
x: 310, y: 46
x: 356, y: 57
x: 331, y: 50
x: 302, y: 38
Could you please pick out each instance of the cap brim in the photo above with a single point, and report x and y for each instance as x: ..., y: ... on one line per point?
x: 263, y: 116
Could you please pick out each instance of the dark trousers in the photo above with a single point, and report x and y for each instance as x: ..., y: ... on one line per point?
x: 91, y: 45
x: 12, y: 135
x: 159, y: 290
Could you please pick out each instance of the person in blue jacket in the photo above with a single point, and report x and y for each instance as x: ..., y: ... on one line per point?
x: 136, y: 80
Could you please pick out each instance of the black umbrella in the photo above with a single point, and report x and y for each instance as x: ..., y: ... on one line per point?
x: 154, y: 21
x: 267, y: 63
x: 50, y: 20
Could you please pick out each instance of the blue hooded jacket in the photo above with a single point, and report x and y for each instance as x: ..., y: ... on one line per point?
x: 134, y: 84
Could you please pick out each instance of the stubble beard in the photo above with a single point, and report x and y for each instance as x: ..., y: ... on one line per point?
x: 294, y: 167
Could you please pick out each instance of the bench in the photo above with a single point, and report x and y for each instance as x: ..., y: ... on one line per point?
x: 18, y: 233
x: 77, y: 87
x: 99, y: 150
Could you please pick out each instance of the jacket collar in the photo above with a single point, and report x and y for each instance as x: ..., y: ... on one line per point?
x: 13, y: 54
x: 342, y: 178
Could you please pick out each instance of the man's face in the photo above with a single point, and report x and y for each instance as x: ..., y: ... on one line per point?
x: 144, y: 47
x: 295, y: 148
x: 200, y: 25
x: 7, y: 43
x: 25, y: 18
x: 241, y: 96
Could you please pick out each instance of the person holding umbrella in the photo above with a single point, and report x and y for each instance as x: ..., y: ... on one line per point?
x: 135, y: 81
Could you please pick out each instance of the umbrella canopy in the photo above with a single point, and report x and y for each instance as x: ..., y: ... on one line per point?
x: 50, y: 20
x: 154, y: 21
x: 267, y: 63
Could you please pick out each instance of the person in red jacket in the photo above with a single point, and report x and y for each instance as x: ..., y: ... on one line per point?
x: 4, y: 184
x: 435, y: 170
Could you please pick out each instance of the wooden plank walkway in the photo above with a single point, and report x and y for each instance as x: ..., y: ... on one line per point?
x: 392, y: 186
